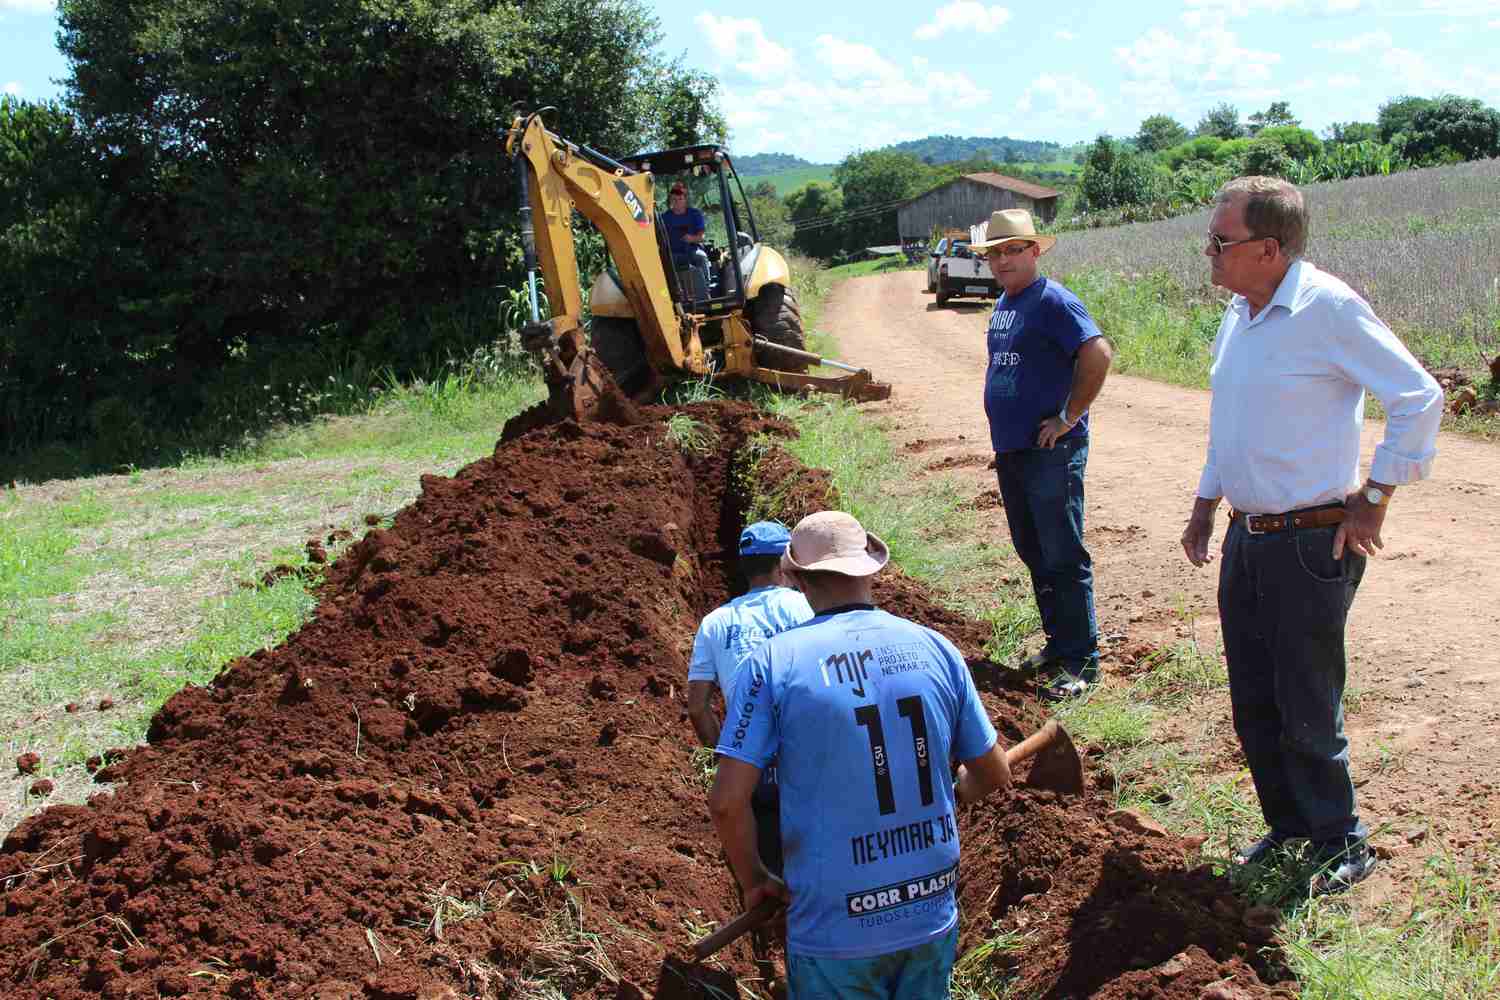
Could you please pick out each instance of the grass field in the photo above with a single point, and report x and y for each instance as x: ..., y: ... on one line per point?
x: 787, y: 181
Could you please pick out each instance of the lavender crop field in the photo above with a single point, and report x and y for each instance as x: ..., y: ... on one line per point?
x: 1423, y: 246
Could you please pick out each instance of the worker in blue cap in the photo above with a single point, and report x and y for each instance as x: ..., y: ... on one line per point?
x: 727, y: 637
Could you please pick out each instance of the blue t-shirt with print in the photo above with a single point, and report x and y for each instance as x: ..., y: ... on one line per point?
x: 1033, y: 339
x: 730, y: 633
x: 678, y: 226
x: 865, y: 711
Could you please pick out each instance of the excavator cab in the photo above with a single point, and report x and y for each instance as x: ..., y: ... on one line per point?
x: 730, y: 237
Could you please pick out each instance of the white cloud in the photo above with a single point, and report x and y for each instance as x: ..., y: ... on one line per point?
x: 29, y: 6
x: 854, y: 61
x: 12, y: 88
x: 1065, y: 96
x: 1182, y: 74
x: 1380, y: 40
x: 963, y: 15
x: 742, y: 43
x: 1064, y: 36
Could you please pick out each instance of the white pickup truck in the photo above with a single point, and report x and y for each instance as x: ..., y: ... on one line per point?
x: 955, y: 272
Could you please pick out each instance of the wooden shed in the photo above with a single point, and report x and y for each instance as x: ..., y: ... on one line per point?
x: 967, y: 200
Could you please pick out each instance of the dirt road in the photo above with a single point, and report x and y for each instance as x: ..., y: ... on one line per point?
x: 1423, y: 717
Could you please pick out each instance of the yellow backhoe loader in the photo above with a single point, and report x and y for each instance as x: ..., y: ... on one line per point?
x: 653, y: 319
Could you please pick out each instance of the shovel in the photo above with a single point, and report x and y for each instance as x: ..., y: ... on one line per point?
x: 1055, y: 767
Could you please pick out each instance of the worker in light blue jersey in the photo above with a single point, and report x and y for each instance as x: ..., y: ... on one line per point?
x: 728, y: 635
x: 862, y: 711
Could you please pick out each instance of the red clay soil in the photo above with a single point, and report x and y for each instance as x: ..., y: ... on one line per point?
x: 488, y: 706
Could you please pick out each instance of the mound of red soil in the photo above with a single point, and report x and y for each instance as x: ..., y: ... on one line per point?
x: 471, y: 773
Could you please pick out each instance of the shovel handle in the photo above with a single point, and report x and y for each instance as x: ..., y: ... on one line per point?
x: 740, y: 925
x: 1033, y: 744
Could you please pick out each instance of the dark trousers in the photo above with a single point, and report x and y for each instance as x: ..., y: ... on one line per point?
x: 1042, y: 489
x: 1283, y: 603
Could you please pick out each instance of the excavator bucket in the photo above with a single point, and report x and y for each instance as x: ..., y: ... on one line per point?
x: 577, y: 381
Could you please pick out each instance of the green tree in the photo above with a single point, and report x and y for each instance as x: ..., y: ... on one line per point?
x: 1204, y: 148
x: 1115, y: 175
x: 1160, y: 132
x: 1222, y: 120
x: 1279, y: 114
x: 1396, y: 114
x: 812, y: 211
x: 1299, y: 143
x: 1341, y: 133
x: 771, y: 216
x: 873, y: 184
x: 1267, y: 157
x: 1451, y: 127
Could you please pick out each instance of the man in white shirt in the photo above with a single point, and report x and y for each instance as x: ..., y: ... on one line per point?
x: 1294, y: 355
x: 727, y: 637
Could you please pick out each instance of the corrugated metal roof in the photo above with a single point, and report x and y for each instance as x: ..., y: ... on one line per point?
x: 1027, y: 188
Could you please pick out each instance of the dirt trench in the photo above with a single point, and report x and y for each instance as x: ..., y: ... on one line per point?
x: 470, y: 775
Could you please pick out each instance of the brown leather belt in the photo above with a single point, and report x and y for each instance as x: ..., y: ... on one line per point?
x: 1314, y: 517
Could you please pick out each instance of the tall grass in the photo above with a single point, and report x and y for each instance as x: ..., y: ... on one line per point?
x: 1420, y: 245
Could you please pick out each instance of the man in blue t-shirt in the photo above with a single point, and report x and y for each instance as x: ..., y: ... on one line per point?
x: 685, y: 229
x: 1047, y: 363
x: 727, y: 636
x: 863, y: 712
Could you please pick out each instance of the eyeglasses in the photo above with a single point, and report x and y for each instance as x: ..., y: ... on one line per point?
x: 1218, y: 244
x: 1008, y: 250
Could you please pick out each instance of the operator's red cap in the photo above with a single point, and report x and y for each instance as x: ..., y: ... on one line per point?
x: 678, y: 188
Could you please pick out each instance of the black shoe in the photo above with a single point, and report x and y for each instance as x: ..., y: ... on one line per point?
x: 1262, y: 851
x: 1037, y: 664
x: 1343, y: 868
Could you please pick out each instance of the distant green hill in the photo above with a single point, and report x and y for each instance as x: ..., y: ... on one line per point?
x: 948, y: 148
x: 763, y: 164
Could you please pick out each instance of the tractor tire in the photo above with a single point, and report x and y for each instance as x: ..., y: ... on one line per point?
x: 775, y: 315
x: 942, y: 300
x: 618, y: 344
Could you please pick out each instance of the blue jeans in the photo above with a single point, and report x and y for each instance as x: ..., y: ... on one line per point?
x: 1283, y: 603
x: 1042, y: 489
x: 920, y: 973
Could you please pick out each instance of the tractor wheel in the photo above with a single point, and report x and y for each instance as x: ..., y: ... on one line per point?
x: 618, y: 344
x: 942, y: 299
x: 775, y: 315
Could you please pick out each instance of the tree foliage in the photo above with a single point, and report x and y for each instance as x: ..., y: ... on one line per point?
x: 1340, y: 133
x: 1116, y: 175
x: 1299, y: 143
x: 873, y: 184
x: 1160, y: 132
x: 812, y: 211
x: 319, y: 172
x: 1222, y: 120
x: 1451, y: 127
x: 1395, y: 115
x: 1279, y: 114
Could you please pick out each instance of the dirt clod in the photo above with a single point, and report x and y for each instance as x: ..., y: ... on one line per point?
x: 27, y: 763
x: 105, y: 704
x: 42, y: 788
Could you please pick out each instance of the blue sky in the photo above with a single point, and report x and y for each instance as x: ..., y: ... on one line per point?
x: 824, y: 79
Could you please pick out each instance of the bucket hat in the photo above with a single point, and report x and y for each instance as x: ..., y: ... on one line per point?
x: 764, y: 538
x: 831, y: 541
x: 1010, y: 225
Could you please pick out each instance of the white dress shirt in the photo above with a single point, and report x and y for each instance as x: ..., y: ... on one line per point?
x: 1288, y: 399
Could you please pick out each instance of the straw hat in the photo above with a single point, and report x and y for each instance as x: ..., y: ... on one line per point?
x: 1010, y: 225
x: 834, y: 542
